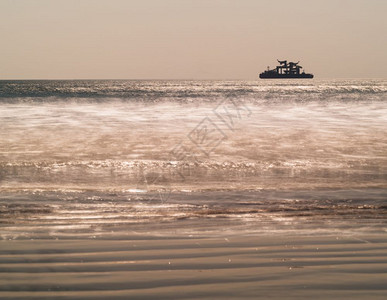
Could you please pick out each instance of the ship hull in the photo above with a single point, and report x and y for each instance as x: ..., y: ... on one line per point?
x: 284, y: 76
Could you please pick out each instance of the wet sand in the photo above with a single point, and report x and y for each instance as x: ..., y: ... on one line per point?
x: 232, y: 267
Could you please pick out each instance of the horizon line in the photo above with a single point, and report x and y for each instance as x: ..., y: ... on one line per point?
x: 180, y: 79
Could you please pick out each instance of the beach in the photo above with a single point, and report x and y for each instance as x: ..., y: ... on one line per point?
x: 234, y: 267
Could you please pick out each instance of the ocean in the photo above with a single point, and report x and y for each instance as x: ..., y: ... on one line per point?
x: 113, y: 159
x: 152, y: 189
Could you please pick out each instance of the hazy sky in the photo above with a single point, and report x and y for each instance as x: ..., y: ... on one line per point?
x: 190, y: 39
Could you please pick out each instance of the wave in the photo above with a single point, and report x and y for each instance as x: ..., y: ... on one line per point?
x: 41, y: 214
x: 166, y: 176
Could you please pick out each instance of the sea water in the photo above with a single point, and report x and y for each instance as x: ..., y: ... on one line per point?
x: 115, y: 158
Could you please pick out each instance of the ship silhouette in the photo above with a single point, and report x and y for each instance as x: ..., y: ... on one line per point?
x: 285, y: 70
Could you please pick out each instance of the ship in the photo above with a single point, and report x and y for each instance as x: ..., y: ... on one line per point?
x: 285, y: 70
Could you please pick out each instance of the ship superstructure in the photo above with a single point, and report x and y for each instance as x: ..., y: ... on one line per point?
x: 285, y: 70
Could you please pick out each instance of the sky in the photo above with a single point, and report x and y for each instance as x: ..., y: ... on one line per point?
x: 190, y: 39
